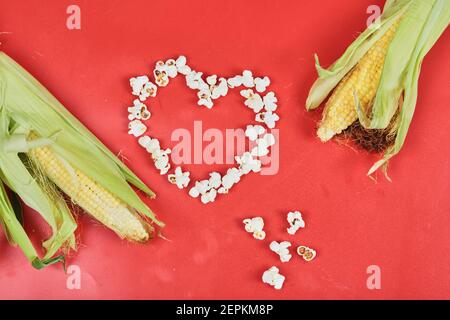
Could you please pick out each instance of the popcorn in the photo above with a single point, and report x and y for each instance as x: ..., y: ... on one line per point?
x: 149, y: 90
x: 232, y: 177
x: 171, y: 68
x: 262, y: 145
x: 295, y: 221
x: 273, y: 278
x: 306, y: 253
x: 161, y: 77
x: 215, y: 180
x: 255, y: 226
x: 151, y: 145
x: 247, y: 163
x: 138, y: 111
x: 161, y: 160
x: 247, y: 79
x: 136, y: 128
x: 234, y: 82
x: 200, y: 188
x: 182, y: 68
x: 261, y: 84
x: 253, y: 100
x: 219, y: 90
x: 253, y: 132
x: 204, y: 96
x: 211, y: 80
x: 137, y: 84
x: 180, y: 178
x: 194, y: 80
x: 209, y: 196
x: 270, y: 101
x: 282, y: 250
x: 268, y: 118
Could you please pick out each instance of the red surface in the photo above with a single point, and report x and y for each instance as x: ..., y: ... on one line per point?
x: 352, y: 222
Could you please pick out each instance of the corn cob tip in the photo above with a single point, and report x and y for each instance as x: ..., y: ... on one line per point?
x: 325, y: 133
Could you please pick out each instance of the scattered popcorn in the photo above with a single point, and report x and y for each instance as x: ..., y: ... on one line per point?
x: 273, y: 278
x: 209, y: 196
x: 232, y: 177
x: 282, y: 250
x: 247, y: 163
x: 253, y: 100
x: 268, y: 118
x: 306, y: 253
x: 247, y: 79
x: 253, y: 132
x: 270, y: 101
x: 180, y: 178
x: 182, y: 68
x: 255, y: 226
x: 138, y: 111
x: 136, y: 128
x: 261, y: 84
x: 295, y: 222
x: 201, y: 187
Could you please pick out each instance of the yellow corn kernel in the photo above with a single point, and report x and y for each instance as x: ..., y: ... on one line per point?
x: 340, y: 110
x: 89, y: 195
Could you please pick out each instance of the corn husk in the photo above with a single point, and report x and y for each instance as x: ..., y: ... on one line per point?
x: 421, y: 24
x: 25, y: 105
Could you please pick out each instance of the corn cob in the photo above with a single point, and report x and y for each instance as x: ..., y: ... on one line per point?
x: 89, y: 195
x: 375, y: 81
x: 340, y: 110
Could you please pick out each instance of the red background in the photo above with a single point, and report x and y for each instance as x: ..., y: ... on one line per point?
x: 352, y: 221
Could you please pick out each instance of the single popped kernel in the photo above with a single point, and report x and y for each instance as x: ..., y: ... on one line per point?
x: 253, y: 100
x: 136, y: 128
x: 269, y: 118
x: 282, y: 250
x: 247, y: 163
x: 138, y: 111
x: 306, y: 253
x: 253, y: 132
x: 273, y: 278
x: 200, y: 188
x: 137, y: 84
x: 255, y: 226
x: 295, y: 221
x: 180, y: 178
x: 261, y: 84
x: 270, y: 101
x: 247, y: 79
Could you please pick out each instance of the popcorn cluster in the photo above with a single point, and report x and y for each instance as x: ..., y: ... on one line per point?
x: 272, y: 276
x: 208, y: 89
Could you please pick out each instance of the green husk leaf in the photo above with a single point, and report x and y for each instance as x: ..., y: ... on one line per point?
x: 436, y: 23
x: 397, y: 61
x: 329, y: 79
x: 18, y: 178
x: 32, y: 106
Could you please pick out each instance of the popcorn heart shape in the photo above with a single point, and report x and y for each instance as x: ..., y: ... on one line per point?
x: 209, y: 89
